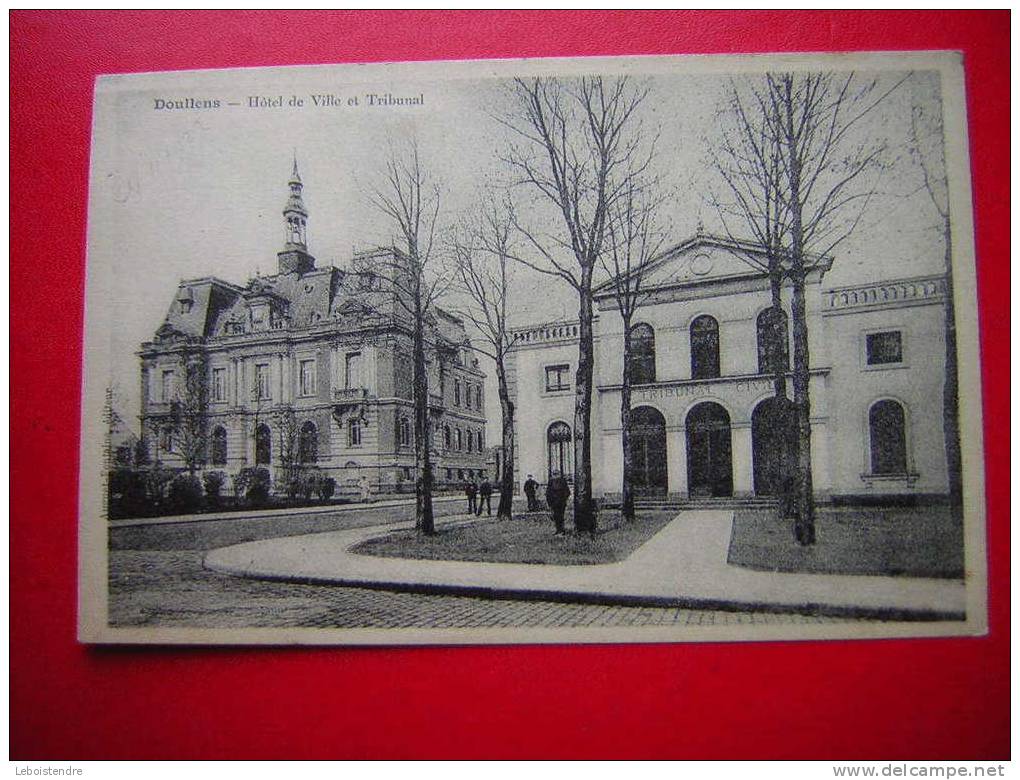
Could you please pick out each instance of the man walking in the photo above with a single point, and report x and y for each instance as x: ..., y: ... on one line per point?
x: 531, y: 491
x: 471, y: 490
x: 556, y: 494
x: 486, y: 498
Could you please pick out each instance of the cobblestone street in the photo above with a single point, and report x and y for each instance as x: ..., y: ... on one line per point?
x: 157, y: 579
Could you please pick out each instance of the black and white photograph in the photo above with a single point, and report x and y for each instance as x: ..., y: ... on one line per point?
x: 635, y: 349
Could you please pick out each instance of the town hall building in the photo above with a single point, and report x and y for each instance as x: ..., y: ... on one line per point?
x: 309, y: 367
x: 703, y: 353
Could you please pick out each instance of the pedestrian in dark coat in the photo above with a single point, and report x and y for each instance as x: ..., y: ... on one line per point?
x: 531, y: 491
x: 485, y: 491
x: 556, y: 494
x: 471, y: 490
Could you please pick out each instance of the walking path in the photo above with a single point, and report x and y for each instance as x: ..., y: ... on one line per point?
x: 684, y: 565
x: 250, y: 514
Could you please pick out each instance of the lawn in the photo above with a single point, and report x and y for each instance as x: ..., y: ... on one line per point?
x: 909, y: 542
x: 525, y: 539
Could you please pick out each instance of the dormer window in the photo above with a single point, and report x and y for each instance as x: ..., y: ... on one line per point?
x: 185, y: 300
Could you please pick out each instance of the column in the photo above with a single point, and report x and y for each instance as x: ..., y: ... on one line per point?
x: 676, y: 462
x: 743, y: 460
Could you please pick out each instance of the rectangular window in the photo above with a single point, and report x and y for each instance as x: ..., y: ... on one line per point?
x: 219, y: 384
x: 456, y: 392
x: 478, y: 398
x: 557, y: 378
x: 306, y: 377
x: 353, y: 371
x: 166, y: 389
x: 354, y: 433
x: 884, y: 348
x: 263, y: 387
x: 460, y: 440
x: 467, y: 396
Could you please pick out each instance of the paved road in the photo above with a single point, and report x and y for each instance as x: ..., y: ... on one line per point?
x: 157, y: 579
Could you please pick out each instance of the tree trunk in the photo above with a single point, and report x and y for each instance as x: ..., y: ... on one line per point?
x: 782, y: 417
x: 584, y: 506
x: 506, y: 488
x: 424, y: 522
x: 804, y: 526
x: 951, y: 388
x: 627, y: 503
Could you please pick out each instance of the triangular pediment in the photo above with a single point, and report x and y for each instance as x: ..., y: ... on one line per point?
x: 705, y: 259
x: 699, y: 260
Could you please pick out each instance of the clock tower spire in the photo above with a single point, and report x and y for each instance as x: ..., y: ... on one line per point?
x: 295, y: 258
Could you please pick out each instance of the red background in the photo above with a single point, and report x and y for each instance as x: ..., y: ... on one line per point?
x: 880, y: 699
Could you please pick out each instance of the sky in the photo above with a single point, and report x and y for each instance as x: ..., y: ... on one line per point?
x: 194, y: 192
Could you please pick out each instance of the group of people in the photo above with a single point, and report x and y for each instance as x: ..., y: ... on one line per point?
x: 557, y: 492
x: 479, y: 496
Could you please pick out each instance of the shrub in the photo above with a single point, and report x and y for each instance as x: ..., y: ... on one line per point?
x: 127, y: 494
x: 186, y: 493
x: 156, y: 481
x: 308, y: 483
x: 327, y: 487
x: 213, y: 481
x: 253, y: 484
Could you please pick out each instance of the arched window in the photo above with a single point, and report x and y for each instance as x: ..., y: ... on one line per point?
x: 559, y: 440
x: 470, y: 441
x: 354, y: 432
x: 218, y: 446
x: 447, y: 438
x: 888, y: 433
x: 460, y: 440
x: 481, y: 441
x: 773, y: 349
x: 642, y: 354
x: 166, y: 439
x: 308, y: 443
x: 704, y: 347
x: 263, y: 445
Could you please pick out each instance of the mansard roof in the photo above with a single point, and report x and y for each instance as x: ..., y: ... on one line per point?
x: 206, y: 307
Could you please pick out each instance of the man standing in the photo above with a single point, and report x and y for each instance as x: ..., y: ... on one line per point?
x: 531, y: 490
x: 471, y: 489
x: 486, y: 498
x: 556, y: 494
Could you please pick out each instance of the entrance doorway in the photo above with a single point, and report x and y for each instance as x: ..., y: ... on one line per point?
x: 648, y: 452
x: 709, y: 452
x: 773, y: 445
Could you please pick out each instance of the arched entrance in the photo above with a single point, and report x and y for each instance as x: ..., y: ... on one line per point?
x: 709, y: 451
x: 648, y: 451
x: 773, y: 443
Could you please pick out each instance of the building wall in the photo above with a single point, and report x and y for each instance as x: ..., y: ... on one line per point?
x: 917, y: 313
x: 536, y: 407
x: 843, y: 386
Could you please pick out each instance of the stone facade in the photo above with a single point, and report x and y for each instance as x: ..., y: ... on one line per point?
x: 311, y: 366
x: 877, y: 355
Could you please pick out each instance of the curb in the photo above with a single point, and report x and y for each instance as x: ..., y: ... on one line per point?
x: 899, y: 614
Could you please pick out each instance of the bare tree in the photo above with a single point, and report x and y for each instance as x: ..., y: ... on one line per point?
x: 577, y: 142
x: 928, y: 152
x: 287, y: 434
x: 803, y: 191
x: 188, y: 421
x: 634, y: 240
x: 410, y: 199
x: 483, y: 253
x: 748, y: 158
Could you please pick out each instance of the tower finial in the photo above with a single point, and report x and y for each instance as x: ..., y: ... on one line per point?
x: 295, y: 177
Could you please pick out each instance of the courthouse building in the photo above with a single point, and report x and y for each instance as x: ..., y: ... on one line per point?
x: 702, y: 387
x: 312, y: 365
